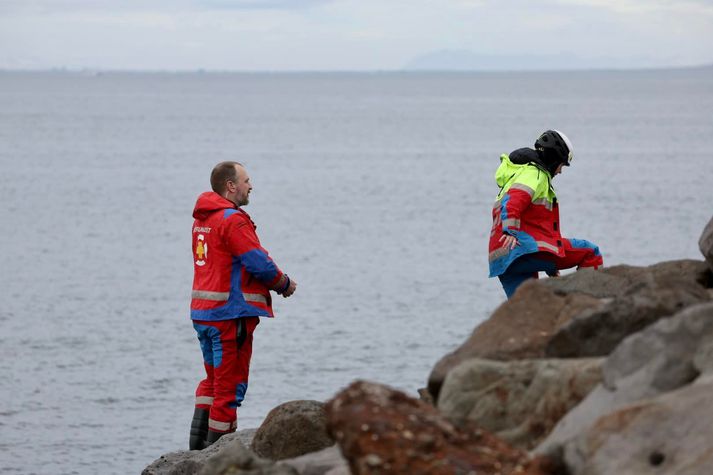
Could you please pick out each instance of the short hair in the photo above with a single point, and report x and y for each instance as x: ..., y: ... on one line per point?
x: 223, y: 173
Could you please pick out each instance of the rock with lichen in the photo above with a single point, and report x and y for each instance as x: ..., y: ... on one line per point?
x: 383, y: 431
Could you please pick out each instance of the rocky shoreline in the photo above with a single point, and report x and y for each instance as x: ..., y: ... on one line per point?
x: 596, y: 372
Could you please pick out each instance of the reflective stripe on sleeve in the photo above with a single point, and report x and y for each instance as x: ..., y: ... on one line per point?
x: 521, y: 187
x: 543, y: 202
x: 205, y: 400
x: 511, y: 223
x: 208, y: 295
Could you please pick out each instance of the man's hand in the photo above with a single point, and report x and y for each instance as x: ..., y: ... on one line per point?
x: 509, y: 241
x: 290, y: 288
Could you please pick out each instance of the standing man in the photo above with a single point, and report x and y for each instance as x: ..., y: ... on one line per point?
x: 525, y: 238
x: 232, y: 279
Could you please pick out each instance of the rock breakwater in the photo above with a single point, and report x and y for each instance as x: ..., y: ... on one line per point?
x: 596, y: 372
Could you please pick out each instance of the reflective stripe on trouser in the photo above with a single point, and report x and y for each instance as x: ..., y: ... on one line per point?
x: 227, y: 347
x: 578, y: 253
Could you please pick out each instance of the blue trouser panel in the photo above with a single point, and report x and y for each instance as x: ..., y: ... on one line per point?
x: 523, y: 268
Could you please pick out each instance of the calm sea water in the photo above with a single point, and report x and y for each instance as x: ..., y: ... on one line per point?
x: 372, y: 190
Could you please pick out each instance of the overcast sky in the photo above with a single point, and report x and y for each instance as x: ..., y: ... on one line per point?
x: 249, y: 35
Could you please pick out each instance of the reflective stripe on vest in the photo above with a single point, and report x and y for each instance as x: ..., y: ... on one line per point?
x: 498, y: 253
x: 257, y: 298
x: 547, y: 245
x: 223, y: 296
x: 208, y: 295
x: 503, y: 251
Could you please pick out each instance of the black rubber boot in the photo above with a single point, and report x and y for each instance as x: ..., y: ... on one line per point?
x: 199, y: 429
x: 213, y: 436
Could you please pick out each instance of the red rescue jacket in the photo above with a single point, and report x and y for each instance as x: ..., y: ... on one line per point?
x: 233, y: 274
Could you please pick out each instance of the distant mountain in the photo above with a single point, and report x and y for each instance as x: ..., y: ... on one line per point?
x: 464, y: 60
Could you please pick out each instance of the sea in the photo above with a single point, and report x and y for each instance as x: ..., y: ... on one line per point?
x: 372, y: 190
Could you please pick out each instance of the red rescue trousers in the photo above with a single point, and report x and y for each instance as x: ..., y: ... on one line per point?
x: 227, y: 347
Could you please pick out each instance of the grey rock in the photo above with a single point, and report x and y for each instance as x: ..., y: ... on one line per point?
x: 668, y: 435
x: 615, y: 281
x: 318, y: 463
x: 520, y: 328
x: 519, y: 401
x: 703, y: 358
x: 237, y: 459
x: 292, y: 429
x: 645, y: 365
x: 187, y: 462
x: 340, y: 471
x: 705, y: 243
x: 597, y: 332
x: 597, y: 283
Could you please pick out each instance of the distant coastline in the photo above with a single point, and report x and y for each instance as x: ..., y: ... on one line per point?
x: 407, y: 70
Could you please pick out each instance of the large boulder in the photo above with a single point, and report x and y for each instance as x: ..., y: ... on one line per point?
x: 668, y: 435
x: 598, y: 331
x: 519, y: 401
x: 615, y: 281
x: 384, y: 431
x: 520, y: 328
x: 600, y: 283
x: 663, y: 357
x: 292, y: 429
x: 705, y: 243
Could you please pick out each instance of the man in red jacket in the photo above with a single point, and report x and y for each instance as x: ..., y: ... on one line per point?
x: 232, y: 280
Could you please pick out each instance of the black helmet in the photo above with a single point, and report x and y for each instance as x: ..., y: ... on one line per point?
x: 555, y: 148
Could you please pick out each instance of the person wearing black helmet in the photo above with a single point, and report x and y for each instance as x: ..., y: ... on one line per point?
x: 525, y: 237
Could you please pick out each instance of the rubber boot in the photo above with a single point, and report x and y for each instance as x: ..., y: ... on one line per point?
x: 213, y: 436
x: 199, y: 429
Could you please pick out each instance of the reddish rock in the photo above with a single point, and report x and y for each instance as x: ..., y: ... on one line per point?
x: 384, y: 431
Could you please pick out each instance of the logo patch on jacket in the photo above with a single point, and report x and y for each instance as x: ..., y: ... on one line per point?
x: 201, y: 250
